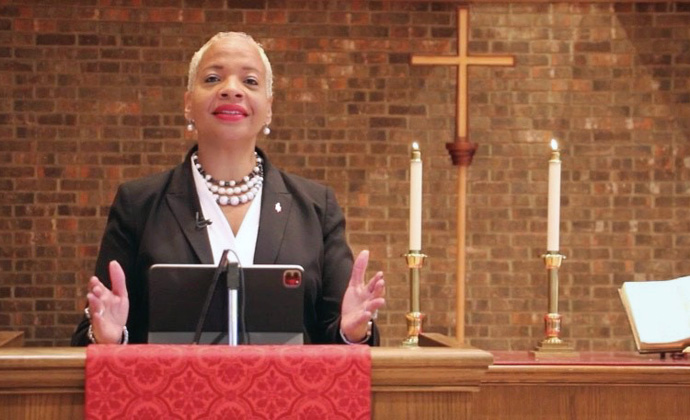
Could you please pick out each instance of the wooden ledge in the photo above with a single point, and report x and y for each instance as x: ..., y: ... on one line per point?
x: 461, y: 368
x: 11, y: 338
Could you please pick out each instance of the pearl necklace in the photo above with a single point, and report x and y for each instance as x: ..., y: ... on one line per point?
x: 234, y: 192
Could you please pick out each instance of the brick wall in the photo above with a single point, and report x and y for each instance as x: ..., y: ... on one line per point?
x: 92, y: 96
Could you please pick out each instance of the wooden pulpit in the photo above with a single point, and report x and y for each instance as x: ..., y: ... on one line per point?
x: 407, y: 383
x: 419, y: 383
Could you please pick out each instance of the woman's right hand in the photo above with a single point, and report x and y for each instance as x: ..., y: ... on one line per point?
x: 108, y: 308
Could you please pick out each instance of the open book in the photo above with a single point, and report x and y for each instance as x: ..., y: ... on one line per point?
x: 659, y: 314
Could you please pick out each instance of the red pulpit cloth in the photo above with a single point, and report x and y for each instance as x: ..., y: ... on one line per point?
x: 220, y: 382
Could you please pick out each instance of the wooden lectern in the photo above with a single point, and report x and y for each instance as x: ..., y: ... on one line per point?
x: 407, y: 383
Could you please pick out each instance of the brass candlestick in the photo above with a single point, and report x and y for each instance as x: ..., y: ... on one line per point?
x: 415, y: 261
x: 552, y: 344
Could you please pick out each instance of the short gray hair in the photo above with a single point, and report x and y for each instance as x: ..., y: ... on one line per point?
x: 196, y: 59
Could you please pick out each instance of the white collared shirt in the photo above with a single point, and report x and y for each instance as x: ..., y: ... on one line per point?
x: 220, y: 234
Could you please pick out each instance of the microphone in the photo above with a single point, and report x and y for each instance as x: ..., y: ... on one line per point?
x: 200, y: 222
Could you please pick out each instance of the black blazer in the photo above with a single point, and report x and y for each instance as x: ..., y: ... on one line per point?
x: 153, y: 220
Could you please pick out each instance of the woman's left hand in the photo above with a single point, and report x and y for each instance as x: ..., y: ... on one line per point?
x: 361, y: 301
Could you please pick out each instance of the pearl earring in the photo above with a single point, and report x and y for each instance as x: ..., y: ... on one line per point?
x: 266, y: 130
x: 190, y: 126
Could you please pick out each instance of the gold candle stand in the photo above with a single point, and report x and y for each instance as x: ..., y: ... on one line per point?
x: 552, y: 345
x: 415, y: 261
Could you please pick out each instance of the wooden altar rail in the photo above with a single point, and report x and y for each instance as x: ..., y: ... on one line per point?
x: 421, y: 383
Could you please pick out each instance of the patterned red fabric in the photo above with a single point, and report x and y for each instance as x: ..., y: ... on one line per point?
x: 221, y: 382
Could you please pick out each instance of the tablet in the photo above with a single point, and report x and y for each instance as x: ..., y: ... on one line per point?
x: 271, y: 304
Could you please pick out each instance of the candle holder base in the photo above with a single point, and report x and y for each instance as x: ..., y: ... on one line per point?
x: 414, y: 329
x: 554, y: 347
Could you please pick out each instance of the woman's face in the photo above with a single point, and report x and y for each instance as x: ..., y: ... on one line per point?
x: 229, y: 100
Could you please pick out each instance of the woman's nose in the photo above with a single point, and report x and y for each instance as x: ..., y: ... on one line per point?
x: 231, y: 88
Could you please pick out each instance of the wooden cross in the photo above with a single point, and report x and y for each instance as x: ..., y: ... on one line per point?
x: 462, y: 150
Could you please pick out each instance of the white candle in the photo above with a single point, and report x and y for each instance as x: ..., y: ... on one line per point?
x: 554, y: 209
x: 416, y: 198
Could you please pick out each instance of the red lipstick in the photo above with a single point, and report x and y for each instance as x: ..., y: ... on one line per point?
x: 230, y: 112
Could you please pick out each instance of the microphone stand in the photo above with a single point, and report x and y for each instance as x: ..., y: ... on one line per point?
x: 232, y: 279
x: 233, y: 284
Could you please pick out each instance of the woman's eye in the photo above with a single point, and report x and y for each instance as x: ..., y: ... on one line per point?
x: 252, y: 81
x: 211, y: 79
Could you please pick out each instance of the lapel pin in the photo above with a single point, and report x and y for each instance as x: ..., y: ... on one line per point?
x: 278, y: 208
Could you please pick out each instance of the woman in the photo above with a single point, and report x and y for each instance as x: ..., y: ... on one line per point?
x: 265, y: 215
